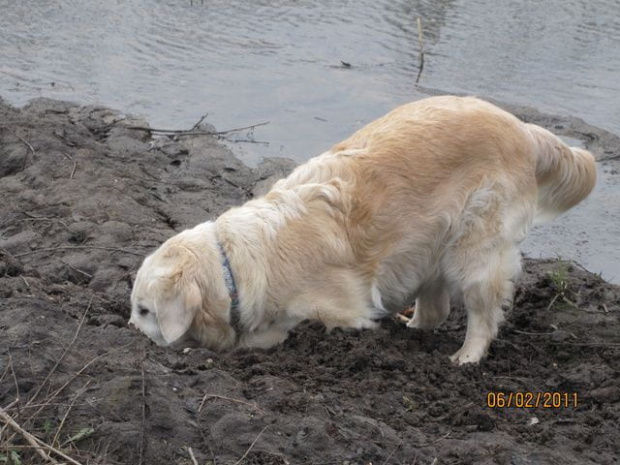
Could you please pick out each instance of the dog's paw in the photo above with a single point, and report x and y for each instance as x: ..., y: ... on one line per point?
x: 367, y: 324
x: 463, y: 356
x: 424, y: 321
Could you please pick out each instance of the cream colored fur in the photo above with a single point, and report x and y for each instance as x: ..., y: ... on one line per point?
x: 430, y: 200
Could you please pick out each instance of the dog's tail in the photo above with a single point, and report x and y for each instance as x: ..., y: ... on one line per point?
x: 565, y: 175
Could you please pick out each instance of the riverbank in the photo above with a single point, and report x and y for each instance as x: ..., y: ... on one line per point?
x: 85, y: 197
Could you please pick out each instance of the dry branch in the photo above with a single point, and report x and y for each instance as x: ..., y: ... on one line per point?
x: 64, y: 418
x: 35, y: 442
x: 27, y: 144
x: 74, y: 164
x: 192, y: 456
x: 193, y: 132
x: 229, y: 399
x: 142, y: 432
x: 197, y: 125
x: 77, y: 247
x: 25, y: 434
x: 59, y: 361
x: 70, y: 380
x: 421, y: 43
x: 251, y: 445
x: 398, y: 446
x: 15, y: 381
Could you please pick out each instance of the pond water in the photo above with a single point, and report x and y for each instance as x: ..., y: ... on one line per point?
x: 318, y: 69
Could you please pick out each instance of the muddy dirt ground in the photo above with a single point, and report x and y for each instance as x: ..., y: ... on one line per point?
x: 84, y: 198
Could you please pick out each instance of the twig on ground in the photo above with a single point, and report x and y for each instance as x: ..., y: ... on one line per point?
x: 586, y: 344
x: 435, y: 441
x: 579, y: 265
x: 143, y: 426
x: 513, y: 378
x: 106, y: 126
x: 25, y: 281
x: 227, y: 181
x: 202, y: 118
x: 251, y: 445
x: 8, y: 407
x: 74, y: 164
x: 88, y: 275
x: 553, y: 301
x: 4, y: 373
x: 30, y: 147
x: 76, y: 247
x: 19, y: 412
x: 205, y: 441
x: 249, y: 141
x: 229, y: 399
x: 59, y: 361
x: 152, y: 180
x: 34, y: 442
x: 528, y: 333
x: 50, y: 404
x: 32, y: 217
x: 27, y: 143
x: 64, y: 418
x: 75, y: 375
x: 57, y: 392
x: 11, y: 405
x: 192, y: 132
x: 6, y: 252
x: 565, y: 299
x: 392, y: 453
x: 191, y: 455
x: 421, y: 44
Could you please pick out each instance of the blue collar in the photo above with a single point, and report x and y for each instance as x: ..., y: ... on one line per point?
x: 229, y: 280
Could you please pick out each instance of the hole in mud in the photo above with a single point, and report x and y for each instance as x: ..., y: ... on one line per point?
x: 78, y: 237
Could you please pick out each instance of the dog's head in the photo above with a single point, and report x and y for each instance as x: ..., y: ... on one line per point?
x: 179, y: 294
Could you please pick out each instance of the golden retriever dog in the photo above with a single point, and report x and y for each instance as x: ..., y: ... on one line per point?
x: 427, y: 202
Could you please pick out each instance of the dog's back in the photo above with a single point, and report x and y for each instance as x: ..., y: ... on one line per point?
x: 432, y: 199
x: 445, y: 156
x: 448, y: 187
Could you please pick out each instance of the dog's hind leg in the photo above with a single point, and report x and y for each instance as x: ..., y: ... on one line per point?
x: 485, y: 279
x: 432, y: 305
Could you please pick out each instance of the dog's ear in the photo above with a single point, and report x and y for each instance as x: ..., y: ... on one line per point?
x: 175, y: 315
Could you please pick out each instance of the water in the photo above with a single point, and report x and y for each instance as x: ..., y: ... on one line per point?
x: 588, y: 234
x: 281, y: 61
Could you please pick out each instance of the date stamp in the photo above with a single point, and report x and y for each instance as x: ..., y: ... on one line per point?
x: 527, y: 399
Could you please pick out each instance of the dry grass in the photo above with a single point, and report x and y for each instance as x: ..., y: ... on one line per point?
x: 20, y: 439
